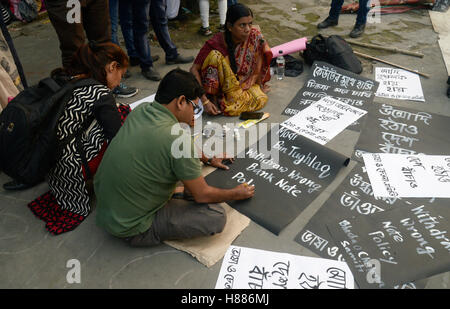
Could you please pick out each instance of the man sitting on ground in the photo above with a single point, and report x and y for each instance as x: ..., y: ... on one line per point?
x: 139, y: 171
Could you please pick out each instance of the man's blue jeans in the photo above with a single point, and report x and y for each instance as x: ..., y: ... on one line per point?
x: 160, y: 26
x: 134, y: 24
x: 114, y: 16
x: 336, y: 6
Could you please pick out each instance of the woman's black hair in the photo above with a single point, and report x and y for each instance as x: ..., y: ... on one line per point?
x: 234, y: 12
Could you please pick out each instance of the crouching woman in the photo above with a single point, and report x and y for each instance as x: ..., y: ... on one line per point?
x: 92, y: 111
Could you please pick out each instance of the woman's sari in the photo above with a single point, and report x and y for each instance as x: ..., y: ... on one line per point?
x: 241, y: 92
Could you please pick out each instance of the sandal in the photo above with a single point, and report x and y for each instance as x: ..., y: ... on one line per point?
x: 205, y: 31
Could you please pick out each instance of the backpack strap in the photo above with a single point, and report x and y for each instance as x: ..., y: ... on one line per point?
x: 50, y: 83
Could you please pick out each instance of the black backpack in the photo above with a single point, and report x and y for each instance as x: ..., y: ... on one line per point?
x: 334, y: 50
x: 29, y: 146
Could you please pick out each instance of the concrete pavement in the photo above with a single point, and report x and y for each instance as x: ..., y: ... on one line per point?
x: 32, y: 258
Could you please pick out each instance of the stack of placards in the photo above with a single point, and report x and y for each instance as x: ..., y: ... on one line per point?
x: 327, y: 80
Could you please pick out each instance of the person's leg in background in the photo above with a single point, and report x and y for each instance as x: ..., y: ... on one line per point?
x: 114, y: 16
x: 160, y: 26
x: 140, y: 10
x: 333, y: 15
x: 121, y: 91
x: 222, y: 14
x: 126, y: 24
x: 96, y: 21
x: 70, y: 35
x: 204, y: 16
x: 361, y: 19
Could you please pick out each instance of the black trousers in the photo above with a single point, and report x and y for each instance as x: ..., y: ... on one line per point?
x: 94, y: 24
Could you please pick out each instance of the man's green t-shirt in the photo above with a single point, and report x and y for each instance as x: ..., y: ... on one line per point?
x: 138, y: 172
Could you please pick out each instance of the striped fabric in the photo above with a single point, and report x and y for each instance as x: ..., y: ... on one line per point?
x: 66, y: 179
x: 5, y: 15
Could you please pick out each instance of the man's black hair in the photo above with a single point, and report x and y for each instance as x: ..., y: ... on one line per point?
x: 177, y: 83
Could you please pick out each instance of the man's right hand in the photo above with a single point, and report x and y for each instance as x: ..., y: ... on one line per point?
x: 244, y: 191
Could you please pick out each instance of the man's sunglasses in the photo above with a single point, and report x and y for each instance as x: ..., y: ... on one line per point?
x: 197, y: 109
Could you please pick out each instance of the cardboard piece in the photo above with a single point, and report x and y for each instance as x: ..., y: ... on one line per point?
x: 210, y: 249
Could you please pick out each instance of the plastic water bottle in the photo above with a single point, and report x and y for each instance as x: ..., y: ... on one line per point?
x: 280, y: 65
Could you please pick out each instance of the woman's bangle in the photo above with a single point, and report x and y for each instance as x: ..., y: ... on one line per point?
x: 206, y: 102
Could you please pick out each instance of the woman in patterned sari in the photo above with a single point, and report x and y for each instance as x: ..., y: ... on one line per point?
x: 67, y: 203
x: 234, y: 66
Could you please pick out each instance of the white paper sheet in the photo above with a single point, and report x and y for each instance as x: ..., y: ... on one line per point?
x: 324, y: 119
x: 151, y: 98
x: 246, y: 268
x: 399, y: 175
x: 398, y: 84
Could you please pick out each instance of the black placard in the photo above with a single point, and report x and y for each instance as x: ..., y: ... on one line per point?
x: 353, y: 197
x: 391, y: 129
x: 282, y: 192
x: 325, y: 79
x: 401, y: 245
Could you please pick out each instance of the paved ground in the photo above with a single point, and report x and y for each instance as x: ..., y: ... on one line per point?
x: 31, y: 258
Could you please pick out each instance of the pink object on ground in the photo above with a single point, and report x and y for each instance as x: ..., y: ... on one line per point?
x: 10, y: 98
x: 290, y: 47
